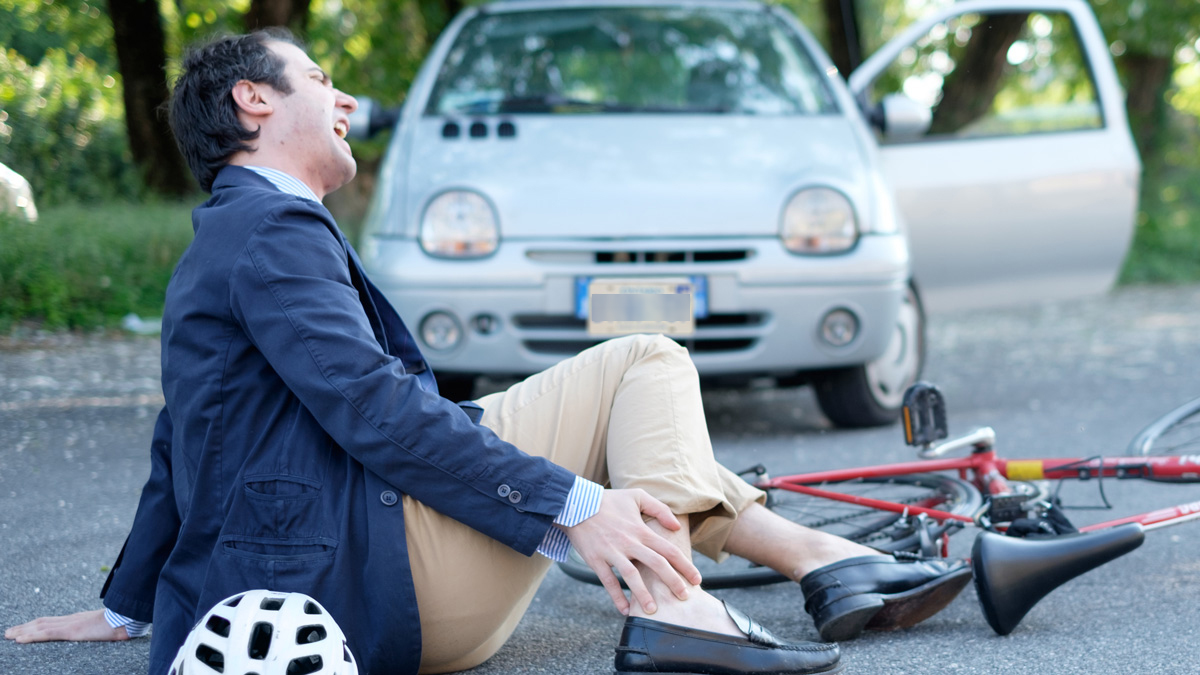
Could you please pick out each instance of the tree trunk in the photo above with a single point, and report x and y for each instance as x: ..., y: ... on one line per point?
x: 841, y: 21
x: 437, y: 14
x: 142, y: 60
x: 291, y: 14
x: 969, y: 89
x: 1147, y: 79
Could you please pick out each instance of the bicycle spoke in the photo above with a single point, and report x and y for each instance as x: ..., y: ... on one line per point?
x: 1181, y: 438
x: 865, y: 524
x: 1176, y: 432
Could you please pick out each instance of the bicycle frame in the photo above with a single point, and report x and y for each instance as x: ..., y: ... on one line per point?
x: 990, y: 473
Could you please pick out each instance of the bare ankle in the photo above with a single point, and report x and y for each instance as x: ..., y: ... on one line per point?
x: 826, y: 552
x: 701, y: 610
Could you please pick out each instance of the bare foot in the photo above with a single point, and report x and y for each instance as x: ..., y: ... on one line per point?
x: 81, y: 627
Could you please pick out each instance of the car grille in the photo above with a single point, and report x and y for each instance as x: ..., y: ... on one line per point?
x: 574, y: 337
x: 572, y: 347
x: 640, y: 257
x: 619, y: 257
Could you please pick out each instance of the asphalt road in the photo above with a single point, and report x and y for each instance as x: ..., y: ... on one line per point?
x: 1066, y: 379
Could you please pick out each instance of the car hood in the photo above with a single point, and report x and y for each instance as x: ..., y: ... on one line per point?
x: 602, y: 176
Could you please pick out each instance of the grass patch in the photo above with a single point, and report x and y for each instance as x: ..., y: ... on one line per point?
x: 1166, y: 243
x: 88, y: 266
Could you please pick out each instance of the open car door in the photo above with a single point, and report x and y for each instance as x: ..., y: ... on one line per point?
x: 1003, y: 133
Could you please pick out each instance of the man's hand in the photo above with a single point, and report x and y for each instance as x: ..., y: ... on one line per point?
x: 617, y: 536
x: 81, y: 627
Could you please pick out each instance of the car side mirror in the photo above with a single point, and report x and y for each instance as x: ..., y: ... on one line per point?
x: 900, y: 118
x: 371, y: 118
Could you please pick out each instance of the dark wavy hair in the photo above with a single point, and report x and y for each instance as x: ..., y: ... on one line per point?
x: 202, y: 112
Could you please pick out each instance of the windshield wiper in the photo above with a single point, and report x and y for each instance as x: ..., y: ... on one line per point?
x: 682, y: 109
x: 538, y: 103
x: 555, y: 103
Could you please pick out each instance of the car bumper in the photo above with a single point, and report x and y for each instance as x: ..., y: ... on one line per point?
x: 515, y: 309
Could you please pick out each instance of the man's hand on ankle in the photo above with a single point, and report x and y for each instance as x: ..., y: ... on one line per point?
x: 617, y: 536
x: 81, y: 627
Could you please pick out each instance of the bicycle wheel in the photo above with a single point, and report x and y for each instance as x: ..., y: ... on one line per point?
x: 1177, y: 432
x: 882, y: 530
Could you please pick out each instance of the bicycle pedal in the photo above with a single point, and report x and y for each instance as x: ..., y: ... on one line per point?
x: 1006, y: 508
x: 924, y: 415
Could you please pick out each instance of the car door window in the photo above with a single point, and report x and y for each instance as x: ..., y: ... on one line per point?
x: 996, y: 75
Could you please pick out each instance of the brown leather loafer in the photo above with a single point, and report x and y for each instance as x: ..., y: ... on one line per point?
x: 649, y: 646
x: 879, y: 592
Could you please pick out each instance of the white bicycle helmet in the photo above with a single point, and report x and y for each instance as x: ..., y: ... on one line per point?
x: 265, y: 633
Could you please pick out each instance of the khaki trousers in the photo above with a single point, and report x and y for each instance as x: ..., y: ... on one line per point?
x: 626, y: 413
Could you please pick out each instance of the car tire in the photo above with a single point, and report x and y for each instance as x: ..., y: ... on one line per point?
x: 872, y: 394
x: 456, y: 387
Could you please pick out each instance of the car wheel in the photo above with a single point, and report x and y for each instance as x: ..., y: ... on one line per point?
x: 872, y: 394
x: 456, y: 387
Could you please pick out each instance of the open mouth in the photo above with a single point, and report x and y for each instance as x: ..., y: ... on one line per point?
x: 341, y: 128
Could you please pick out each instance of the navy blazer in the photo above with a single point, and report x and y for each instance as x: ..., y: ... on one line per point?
x: 299, y: 407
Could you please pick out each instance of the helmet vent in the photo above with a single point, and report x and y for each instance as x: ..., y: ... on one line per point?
x: 269, y: 633
x: 211, y: 658
x: 218, y: 625
x: 260, y: 640
x: 308, y: 634
x: 304, y: 665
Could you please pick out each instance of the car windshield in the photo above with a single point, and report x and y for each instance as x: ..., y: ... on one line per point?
x: 629, y: 60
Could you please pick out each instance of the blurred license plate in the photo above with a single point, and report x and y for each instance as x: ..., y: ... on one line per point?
x: 667, y: 305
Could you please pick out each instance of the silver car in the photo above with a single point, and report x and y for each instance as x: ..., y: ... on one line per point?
x: 563, y: 171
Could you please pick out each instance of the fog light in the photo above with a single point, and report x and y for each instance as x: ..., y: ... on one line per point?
x: 839, y: 327
x: 440, y: 331
x: 485, y: 324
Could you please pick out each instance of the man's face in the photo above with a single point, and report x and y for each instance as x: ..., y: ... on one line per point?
x: 312, y: 123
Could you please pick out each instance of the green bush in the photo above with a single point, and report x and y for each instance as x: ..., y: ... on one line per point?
x: 62, y: 127
x: 83, y: 267
x: 1166, y: 244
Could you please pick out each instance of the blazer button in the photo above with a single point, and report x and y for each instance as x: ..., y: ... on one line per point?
x: 388, y: 498
x: 503, y: 490
x: 514, y: 497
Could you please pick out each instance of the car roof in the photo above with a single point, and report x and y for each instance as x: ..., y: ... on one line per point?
x: 526, y: 5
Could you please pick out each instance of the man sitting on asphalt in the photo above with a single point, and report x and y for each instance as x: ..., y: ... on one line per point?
x: 304, y: 447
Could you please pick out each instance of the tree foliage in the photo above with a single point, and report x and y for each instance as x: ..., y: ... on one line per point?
x: 34, y: 28
x: 60, y: 127
x: 1150, y: 27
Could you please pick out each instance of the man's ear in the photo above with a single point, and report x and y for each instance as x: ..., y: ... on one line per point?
x: 252, y: 98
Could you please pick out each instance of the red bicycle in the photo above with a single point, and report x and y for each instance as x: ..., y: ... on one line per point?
x: 1026, y: 546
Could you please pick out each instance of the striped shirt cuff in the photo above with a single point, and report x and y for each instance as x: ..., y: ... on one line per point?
x: 583, y: 501
x: 134, y: 628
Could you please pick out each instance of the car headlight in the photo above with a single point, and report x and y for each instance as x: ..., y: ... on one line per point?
x: 818, y: 220
x: 459, y: 224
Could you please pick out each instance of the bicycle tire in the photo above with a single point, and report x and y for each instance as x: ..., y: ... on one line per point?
x: 878, y: 529
x: 1177, y: 432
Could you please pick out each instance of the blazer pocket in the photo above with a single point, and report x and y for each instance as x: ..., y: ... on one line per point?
x: 275, y: 487
x: 297, y: 549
